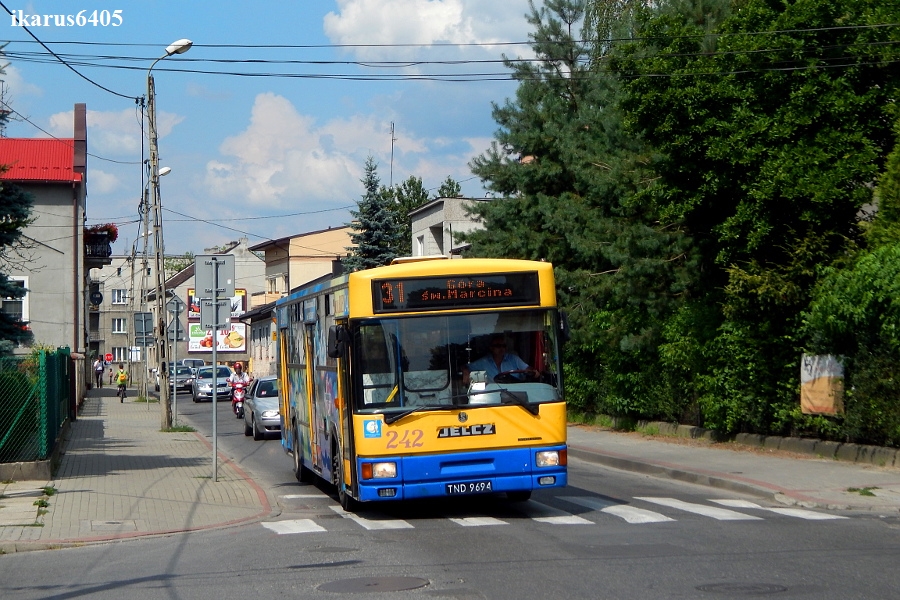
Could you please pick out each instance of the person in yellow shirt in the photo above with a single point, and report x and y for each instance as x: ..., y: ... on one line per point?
x: 122, y: 381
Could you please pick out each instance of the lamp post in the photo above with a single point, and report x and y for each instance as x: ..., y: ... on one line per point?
x: 162, y: 338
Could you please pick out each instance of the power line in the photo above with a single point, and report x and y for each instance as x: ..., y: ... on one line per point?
x: 89, y: 80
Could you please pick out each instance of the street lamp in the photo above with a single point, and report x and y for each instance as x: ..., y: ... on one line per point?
x: 162, y: 338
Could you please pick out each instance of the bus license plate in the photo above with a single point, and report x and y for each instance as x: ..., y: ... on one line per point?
x: 471, y: 487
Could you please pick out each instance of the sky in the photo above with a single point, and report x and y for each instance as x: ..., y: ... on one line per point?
x: 267, y: 121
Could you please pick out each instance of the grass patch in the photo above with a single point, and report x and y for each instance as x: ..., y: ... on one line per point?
x: 596, y: 420
x: 866, y: 491
x: 178, y: 429
x: 145, y: 400
x: 41, y: 502
x: 7, y: 481
x: 649, y: 430
x: 49, y: 490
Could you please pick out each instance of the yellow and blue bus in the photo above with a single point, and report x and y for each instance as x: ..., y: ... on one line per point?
x: 383, y: 393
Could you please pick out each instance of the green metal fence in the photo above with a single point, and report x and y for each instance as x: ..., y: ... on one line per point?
x: 34, y: 400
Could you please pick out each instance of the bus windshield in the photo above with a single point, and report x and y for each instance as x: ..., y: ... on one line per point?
x: 485, y: 358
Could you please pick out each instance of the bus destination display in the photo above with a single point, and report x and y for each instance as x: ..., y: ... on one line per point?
x: 435, y: 293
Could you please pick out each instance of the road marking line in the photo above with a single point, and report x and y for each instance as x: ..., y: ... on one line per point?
x: 799, y: 513
x: 372, y: 524
x: 478, y: 521
x: 632, y: 514
x: 547, y: 514
x: 720, y: 514
x: 294, y: 526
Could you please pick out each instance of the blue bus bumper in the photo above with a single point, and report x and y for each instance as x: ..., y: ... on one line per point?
x: 462, y: 473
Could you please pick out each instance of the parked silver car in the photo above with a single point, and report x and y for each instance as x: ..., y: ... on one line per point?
x: 201, y: 387
x: 261, y: 408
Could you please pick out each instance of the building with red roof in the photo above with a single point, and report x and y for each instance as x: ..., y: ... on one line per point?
x: 55, y: 263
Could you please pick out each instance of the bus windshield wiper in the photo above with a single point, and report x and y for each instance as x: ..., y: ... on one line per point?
x: 394, y: 417
x: 520, y: 398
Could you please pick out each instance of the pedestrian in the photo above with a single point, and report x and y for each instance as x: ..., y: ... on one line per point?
x: 110, y: 374
x: 98, y: 372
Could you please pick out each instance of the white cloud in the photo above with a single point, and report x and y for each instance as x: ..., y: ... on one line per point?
x: 112, y: 133
x: 17, y: 86
x: 424, y: 22
x: 283, y: 156
x: 102, y: 182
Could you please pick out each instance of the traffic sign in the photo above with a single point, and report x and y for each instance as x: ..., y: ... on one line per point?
x: 143, y: 323
x: 176, y: 331
x: 175, y: 305
x: 214, y: 270
x: 96, y: 298
x: 108, y: 357
x: 144, y: 340
x: 215, y: 317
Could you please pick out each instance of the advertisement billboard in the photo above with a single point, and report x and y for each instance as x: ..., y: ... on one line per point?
x: 233, y: 339
x: 238, y: 304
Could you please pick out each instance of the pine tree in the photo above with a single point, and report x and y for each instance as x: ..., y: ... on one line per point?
x: 377, y: 235
x: 570, y: 181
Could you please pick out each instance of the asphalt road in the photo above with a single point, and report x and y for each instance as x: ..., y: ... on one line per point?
x: 610, y: 534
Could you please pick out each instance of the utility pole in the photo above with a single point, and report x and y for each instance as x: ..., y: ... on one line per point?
x: 160, y: 329
x: 145, y: 233
x: 162, y: 335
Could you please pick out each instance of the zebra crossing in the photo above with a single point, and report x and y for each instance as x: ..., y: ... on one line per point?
x: 720, y: 509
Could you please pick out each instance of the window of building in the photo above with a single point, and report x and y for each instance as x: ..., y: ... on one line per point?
x: 119, y: 326
x: 420, y: 245
x: 119, y: 297
x: 17, y: 307
x: 120, y: 354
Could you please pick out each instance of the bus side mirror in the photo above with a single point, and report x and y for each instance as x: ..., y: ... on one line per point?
x: 565, y: 334
x: 338, y: 336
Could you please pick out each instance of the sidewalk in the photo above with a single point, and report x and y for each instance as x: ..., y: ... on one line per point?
x: 787, y: 478
x: 121, y: 477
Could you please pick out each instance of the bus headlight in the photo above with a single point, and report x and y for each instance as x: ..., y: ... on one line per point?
x: 379, y: 470
x: 550, y: 458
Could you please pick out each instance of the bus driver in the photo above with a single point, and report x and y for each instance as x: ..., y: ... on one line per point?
x: 498, y: 361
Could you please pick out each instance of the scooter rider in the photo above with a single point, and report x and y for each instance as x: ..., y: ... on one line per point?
x: 239, y: 376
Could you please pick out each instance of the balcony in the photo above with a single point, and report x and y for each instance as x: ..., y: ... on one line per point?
x: 99, y: 250
x: 98, y: 241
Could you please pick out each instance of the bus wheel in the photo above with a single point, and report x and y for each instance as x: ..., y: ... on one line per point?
x: 302, y: 474
x: 337, y: 474
x: 518, y: 496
